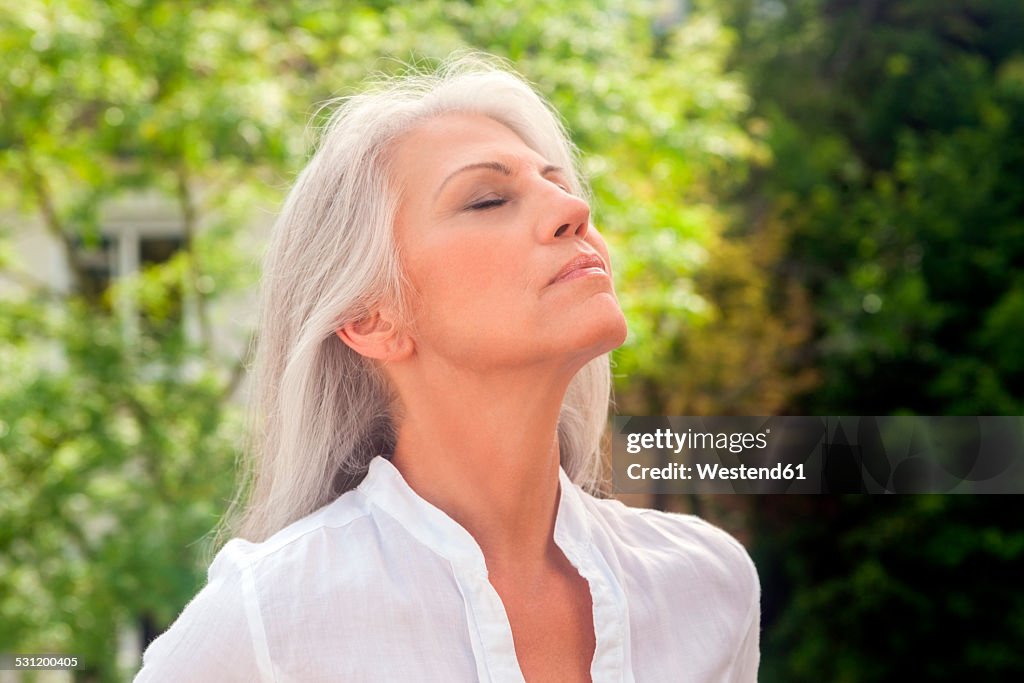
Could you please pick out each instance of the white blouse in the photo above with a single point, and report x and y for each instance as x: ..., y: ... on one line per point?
x: 380, y: 585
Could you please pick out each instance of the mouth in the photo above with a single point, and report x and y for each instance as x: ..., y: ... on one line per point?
x: 584, y: 265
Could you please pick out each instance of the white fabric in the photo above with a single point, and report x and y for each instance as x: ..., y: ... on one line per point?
x: 380, y: 585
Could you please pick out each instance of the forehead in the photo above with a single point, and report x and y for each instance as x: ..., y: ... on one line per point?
x: 440, y: 145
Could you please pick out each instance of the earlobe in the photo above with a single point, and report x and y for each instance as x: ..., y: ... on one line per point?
x: 376, y: 336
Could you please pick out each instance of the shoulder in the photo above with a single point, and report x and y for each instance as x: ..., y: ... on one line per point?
x: 214, y: 637
x: 222, y: 634
x: 676, y: 548
x: 346, y: 516
x: 692, y: 588
x: 667, y: 531
x: 340, y: 545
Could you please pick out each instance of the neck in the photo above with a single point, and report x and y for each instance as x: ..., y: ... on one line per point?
x: 485, y: 451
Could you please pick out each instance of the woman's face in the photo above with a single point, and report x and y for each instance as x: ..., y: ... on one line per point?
x: 505, y: 266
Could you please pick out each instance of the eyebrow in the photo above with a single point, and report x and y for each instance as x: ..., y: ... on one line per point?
x: 497, y: 167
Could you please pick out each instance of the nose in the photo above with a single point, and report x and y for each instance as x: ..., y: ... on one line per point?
x: 571, y: 218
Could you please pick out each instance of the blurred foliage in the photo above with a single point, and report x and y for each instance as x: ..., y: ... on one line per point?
x: 893, y: 588
x: 118, y: 444
x: 118, y: 438
x: 898, y: 151
x: 814, y: 206
x: 896, y: 186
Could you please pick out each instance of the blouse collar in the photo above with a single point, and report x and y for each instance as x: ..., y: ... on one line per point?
x: 385, y: 488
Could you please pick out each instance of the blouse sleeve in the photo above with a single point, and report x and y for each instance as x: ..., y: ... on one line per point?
x: 748, y: 655
x: 217, y: 635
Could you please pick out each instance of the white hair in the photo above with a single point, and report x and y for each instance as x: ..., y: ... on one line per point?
x: 320, y: 410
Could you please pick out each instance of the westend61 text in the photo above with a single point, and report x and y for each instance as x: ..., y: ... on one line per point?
x: 715, y: 472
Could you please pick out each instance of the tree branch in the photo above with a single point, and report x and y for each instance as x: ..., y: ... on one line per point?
x: 51, y: 220
x: 188, y: 213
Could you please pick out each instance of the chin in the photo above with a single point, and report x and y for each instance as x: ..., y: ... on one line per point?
x: 602, y: 330
x: 616, y: 333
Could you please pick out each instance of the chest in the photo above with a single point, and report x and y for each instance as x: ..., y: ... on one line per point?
x: 412, y: 615
x: 553, y: 629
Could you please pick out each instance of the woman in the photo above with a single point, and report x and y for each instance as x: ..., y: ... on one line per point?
x: 432, y: 386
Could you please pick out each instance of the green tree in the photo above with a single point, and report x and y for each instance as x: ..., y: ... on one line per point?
x: 896, y: 144
x: 895, y: 180
x: 117, y: 431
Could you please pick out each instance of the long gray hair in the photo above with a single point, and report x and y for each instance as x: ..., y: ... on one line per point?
x: 320, y: 411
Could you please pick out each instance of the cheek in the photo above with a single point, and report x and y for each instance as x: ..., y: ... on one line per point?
x: 466, y: 278
x: 595, y: 240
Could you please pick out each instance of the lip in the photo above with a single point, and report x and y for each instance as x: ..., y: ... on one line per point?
x: 583, y: 265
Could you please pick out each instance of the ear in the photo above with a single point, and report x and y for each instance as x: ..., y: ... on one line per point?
x: 377, y: 336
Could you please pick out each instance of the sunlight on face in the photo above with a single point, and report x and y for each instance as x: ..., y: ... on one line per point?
x: 505, y: 265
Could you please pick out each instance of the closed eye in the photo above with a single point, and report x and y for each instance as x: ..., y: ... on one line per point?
x: 487, y: 204
x: 556, y: 176
x: 561, y: 185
